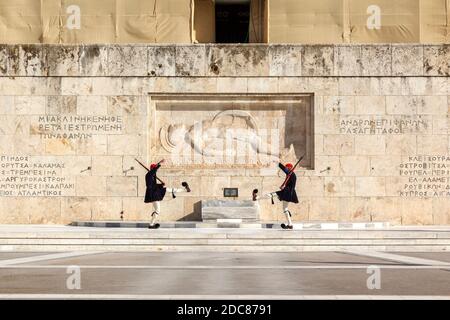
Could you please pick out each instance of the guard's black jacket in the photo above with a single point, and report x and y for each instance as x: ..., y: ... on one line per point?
x: 155, y: 191
x: 288, y: 192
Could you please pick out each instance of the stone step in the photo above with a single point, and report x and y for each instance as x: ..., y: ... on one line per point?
x: 222, y: 248
x: 63, y: 238
x: 224, y: 242
x: 88, y: 233
x: 236, y: 223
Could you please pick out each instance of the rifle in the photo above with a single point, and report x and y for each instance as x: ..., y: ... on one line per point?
x: 288, y: 176
x: 149, y: 170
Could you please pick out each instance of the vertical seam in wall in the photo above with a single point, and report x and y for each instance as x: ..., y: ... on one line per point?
x: 191, y: 21
x: 260, y: 21
x: 107, y: 144
x: 346, y: 35
x: 137, y: 185
x: 116, y: 22
x: 156, y: 20
x: 60, y: 23
x: 447, y: 7
x: 267, y: 24
x: 420, y: 20
x: 60, y: 207
x: 41, y: 21
x: 423, y: 60
x: 147, y: 57
x: 390, y: 64
x: 106, y: 74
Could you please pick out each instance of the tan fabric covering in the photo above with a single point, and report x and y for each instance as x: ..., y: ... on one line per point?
x: 258, y: 28
x: 204, y: 21
x: 400, y: 21
x: 435, y: 16
x: 183, y: 21
x: 102, y: 21
x: 173, y: 21
x: 345, y: 21
x: 305, y: 21
x: 20, y: 20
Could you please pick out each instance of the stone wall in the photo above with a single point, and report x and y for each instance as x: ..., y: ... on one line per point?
x: 73, y: 118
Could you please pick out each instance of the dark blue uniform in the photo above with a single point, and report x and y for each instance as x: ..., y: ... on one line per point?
x: 155, y: 191
x: 288, y: 192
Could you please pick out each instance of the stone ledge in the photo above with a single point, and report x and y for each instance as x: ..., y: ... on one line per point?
x: 222, y: 224
x: 219, y: 60
x: 226, y: 212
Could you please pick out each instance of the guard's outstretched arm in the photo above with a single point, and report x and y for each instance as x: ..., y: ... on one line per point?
x: 158, y: 165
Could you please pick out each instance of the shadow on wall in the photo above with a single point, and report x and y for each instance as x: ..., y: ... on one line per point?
x: 195, y: 215
x: 295, y: 132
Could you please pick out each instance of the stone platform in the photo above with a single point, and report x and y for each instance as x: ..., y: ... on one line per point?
x: 213, y: 210
x: 236, y: 224
x: 49, y: 238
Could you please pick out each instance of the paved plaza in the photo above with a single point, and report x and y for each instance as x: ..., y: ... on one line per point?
x: 194, y: 275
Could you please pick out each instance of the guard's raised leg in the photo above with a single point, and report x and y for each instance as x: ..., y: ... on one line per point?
x: 174, y: 191
x: 256, y: 197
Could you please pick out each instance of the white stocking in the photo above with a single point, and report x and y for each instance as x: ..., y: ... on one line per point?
x: 157, y: 210
x: 287, y: 213
x: 270, y: 195
x: 175, y: 190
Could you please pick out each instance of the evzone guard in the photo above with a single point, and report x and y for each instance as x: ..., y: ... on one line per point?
x: 156, y: 192
x: 286, y: 194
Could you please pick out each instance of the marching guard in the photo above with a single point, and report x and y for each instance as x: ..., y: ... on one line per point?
x: 156, y: 192
x: 286, y: 194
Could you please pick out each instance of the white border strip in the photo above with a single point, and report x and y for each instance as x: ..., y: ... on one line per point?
x: 214, y: 297
x: 44, y: 257
x: 172, y: 267
x: 396, y: 257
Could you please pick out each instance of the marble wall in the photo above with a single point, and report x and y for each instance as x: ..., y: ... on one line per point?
x: 73, y: 118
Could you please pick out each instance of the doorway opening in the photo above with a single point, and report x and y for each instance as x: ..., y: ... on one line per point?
x: 230, y: 21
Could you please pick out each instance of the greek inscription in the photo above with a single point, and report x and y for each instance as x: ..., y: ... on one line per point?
x: 426, y: 176
x: 22, y: 176
x: 76, y: 127
x: 385, y: 125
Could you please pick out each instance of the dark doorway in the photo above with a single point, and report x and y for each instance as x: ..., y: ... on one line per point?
x: 232, y: 22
